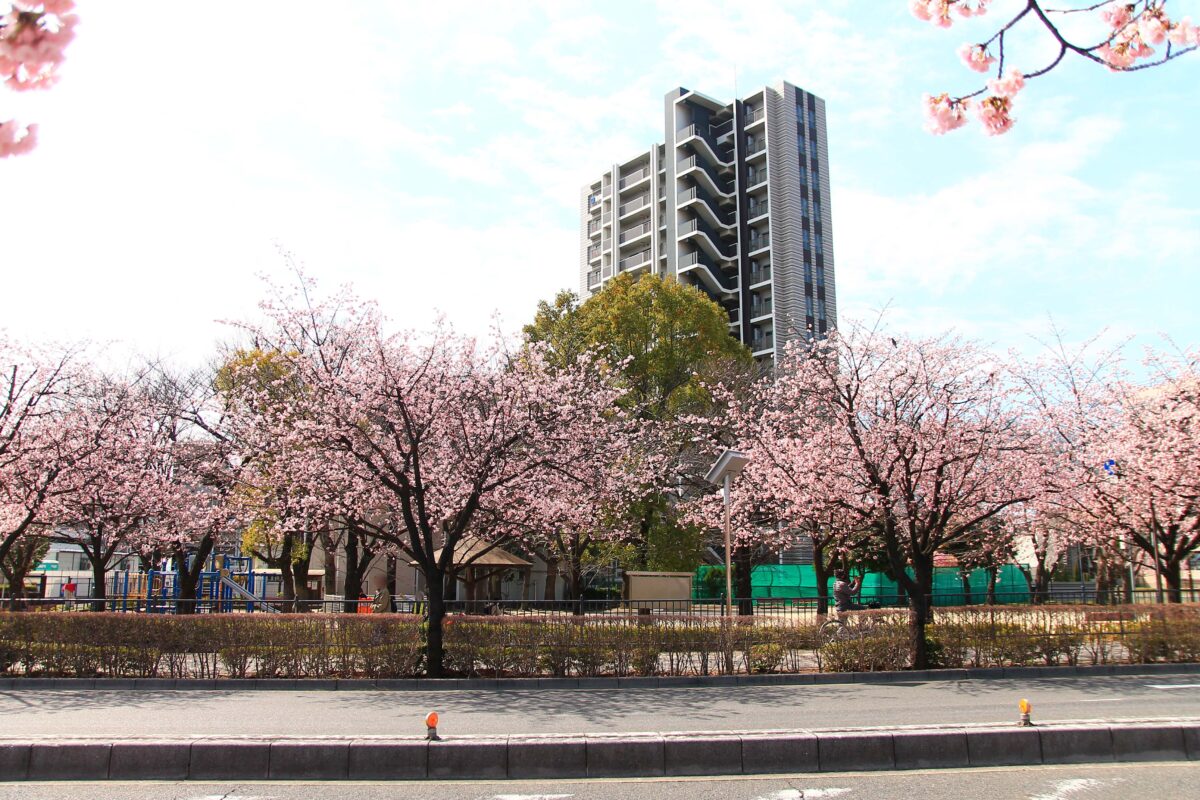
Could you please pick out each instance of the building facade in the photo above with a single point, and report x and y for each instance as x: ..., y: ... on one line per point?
x: 735, y: 202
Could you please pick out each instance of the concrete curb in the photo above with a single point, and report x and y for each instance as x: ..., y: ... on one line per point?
x: 526, y: 684
x: 595, y: 755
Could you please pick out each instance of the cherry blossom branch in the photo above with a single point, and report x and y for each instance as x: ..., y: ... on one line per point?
x: 1134, y: 27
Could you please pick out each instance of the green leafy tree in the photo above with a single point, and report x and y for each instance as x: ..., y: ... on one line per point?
x: 668, y: 342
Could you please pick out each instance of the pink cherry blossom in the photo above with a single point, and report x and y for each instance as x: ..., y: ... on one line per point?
x: 993, y: 112
x: 1008, y: 86
x: 1152, y: 26
x: 15, y: 140
x: 976, y: 57
x: 1184, y: 33
x: 1118, y: 16
x: 943, y: 114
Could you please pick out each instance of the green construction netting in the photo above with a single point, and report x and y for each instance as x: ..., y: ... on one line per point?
x: 800, y: 581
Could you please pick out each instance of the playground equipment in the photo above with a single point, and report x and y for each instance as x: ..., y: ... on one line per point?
x: 229, y: 583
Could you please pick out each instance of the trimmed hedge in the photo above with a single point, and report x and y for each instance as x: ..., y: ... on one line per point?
x: 392, y: 645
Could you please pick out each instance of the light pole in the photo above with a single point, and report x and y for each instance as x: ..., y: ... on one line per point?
x: 729, y: 464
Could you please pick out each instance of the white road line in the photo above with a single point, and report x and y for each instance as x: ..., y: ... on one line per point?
x: 1105, y: 700
x: 1173, y: 685
x: 531, y: 796
x: 1064, y: 789
x: 803, y: 794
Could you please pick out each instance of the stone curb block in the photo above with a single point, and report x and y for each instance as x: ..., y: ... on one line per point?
x: 1076, y: 745
x: 765, y: 753
x: 547, y: 757
x: 14, y: 760
x: 231, y: 760
x: 1004, y: 747
x: 1191, y: 741
x: 851, y: 751
x: 628, y: 756
x: 1147, y: 743
x: 930, y: 749
x: 62, y: 760
x: 389, y: 761
x: 469, y: 758
x: 702, y: 755
x: 295, y: 760
x: 149, y: 760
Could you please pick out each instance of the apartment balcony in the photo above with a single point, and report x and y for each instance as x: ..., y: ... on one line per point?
x: 593, y: 252
x: 636, y: 204
x: 593, y: 227
x: 756, y: 148
x: 708, y: 238
x: 757, y: 277
x: 761, y: 345
x: 756, y: 116
x: 634, y: 178
x: 720, y: 130
x: 705, y: 174
x: 735, y: 316
x: 719, y: 153
x: 756, y: 210
x: 705, y: 270
x: 593, y: 279
x: 760, y: 310
x: 634, y: 261
x: 756, y: 178
x: 756, y: 243
x: 635, y: 232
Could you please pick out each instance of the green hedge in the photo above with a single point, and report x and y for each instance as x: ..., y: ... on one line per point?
x: 392, y: 646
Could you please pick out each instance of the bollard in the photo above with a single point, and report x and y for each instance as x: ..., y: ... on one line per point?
x: 431, y: 723
x: 1025, y: 707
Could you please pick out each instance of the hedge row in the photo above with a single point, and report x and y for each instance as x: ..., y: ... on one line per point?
x: 392, y: 646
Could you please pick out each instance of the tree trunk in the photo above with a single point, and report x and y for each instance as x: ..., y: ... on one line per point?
x: 920, y: 612
x: 575, y: 579
x: 1172, y: 573
x: 991, y: 585
x: 965, y: 577
x: 99, y: 589
x: 288, y: 578
x: 329, y: 548
x: 434, y: 647
x: 551, y: 592
x: 352, y: 588
x: 189, y: 576
x: 743, y: 580
x: 822, y: 575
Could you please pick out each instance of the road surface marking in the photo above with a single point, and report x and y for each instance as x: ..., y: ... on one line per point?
x: 1064, y: 789
x: 1174, y: 685
x: 1105, y: 700
x: 531, y: 796
x: 803, y: 794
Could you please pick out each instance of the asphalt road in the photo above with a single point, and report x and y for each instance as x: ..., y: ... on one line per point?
x: 1164, y: 781
x: 129, y: 713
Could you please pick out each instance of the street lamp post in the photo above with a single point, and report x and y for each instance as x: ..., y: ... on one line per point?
x: 729, y: 464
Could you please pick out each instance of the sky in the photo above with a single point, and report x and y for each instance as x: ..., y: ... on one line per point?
x: 432, y: 155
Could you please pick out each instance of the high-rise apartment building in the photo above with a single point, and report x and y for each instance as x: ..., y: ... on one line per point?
x: 735, y: 202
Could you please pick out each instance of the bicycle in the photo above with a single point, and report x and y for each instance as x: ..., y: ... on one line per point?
x: 845, y: 626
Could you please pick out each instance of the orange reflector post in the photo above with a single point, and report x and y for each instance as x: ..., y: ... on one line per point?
x: 431, y: 719
x: 1023, y: 705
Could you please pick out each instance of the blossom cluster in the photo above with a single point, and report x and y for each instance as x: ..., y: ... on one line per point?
x: 1133, y: 33
x: 33, y: 39
x: 938, y: 12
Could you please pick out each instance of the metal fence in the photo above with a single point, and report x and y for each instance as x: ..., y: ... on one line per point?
x: 797, y: 609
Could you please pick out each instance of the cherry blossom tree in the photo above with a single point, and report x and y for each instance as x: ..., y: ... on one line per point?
x: 33, y: 38
x: 116, y: 489
x: 431, y: 439
x: 1123, y: 38
x: 37, y: 390
x: 922, y: 437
